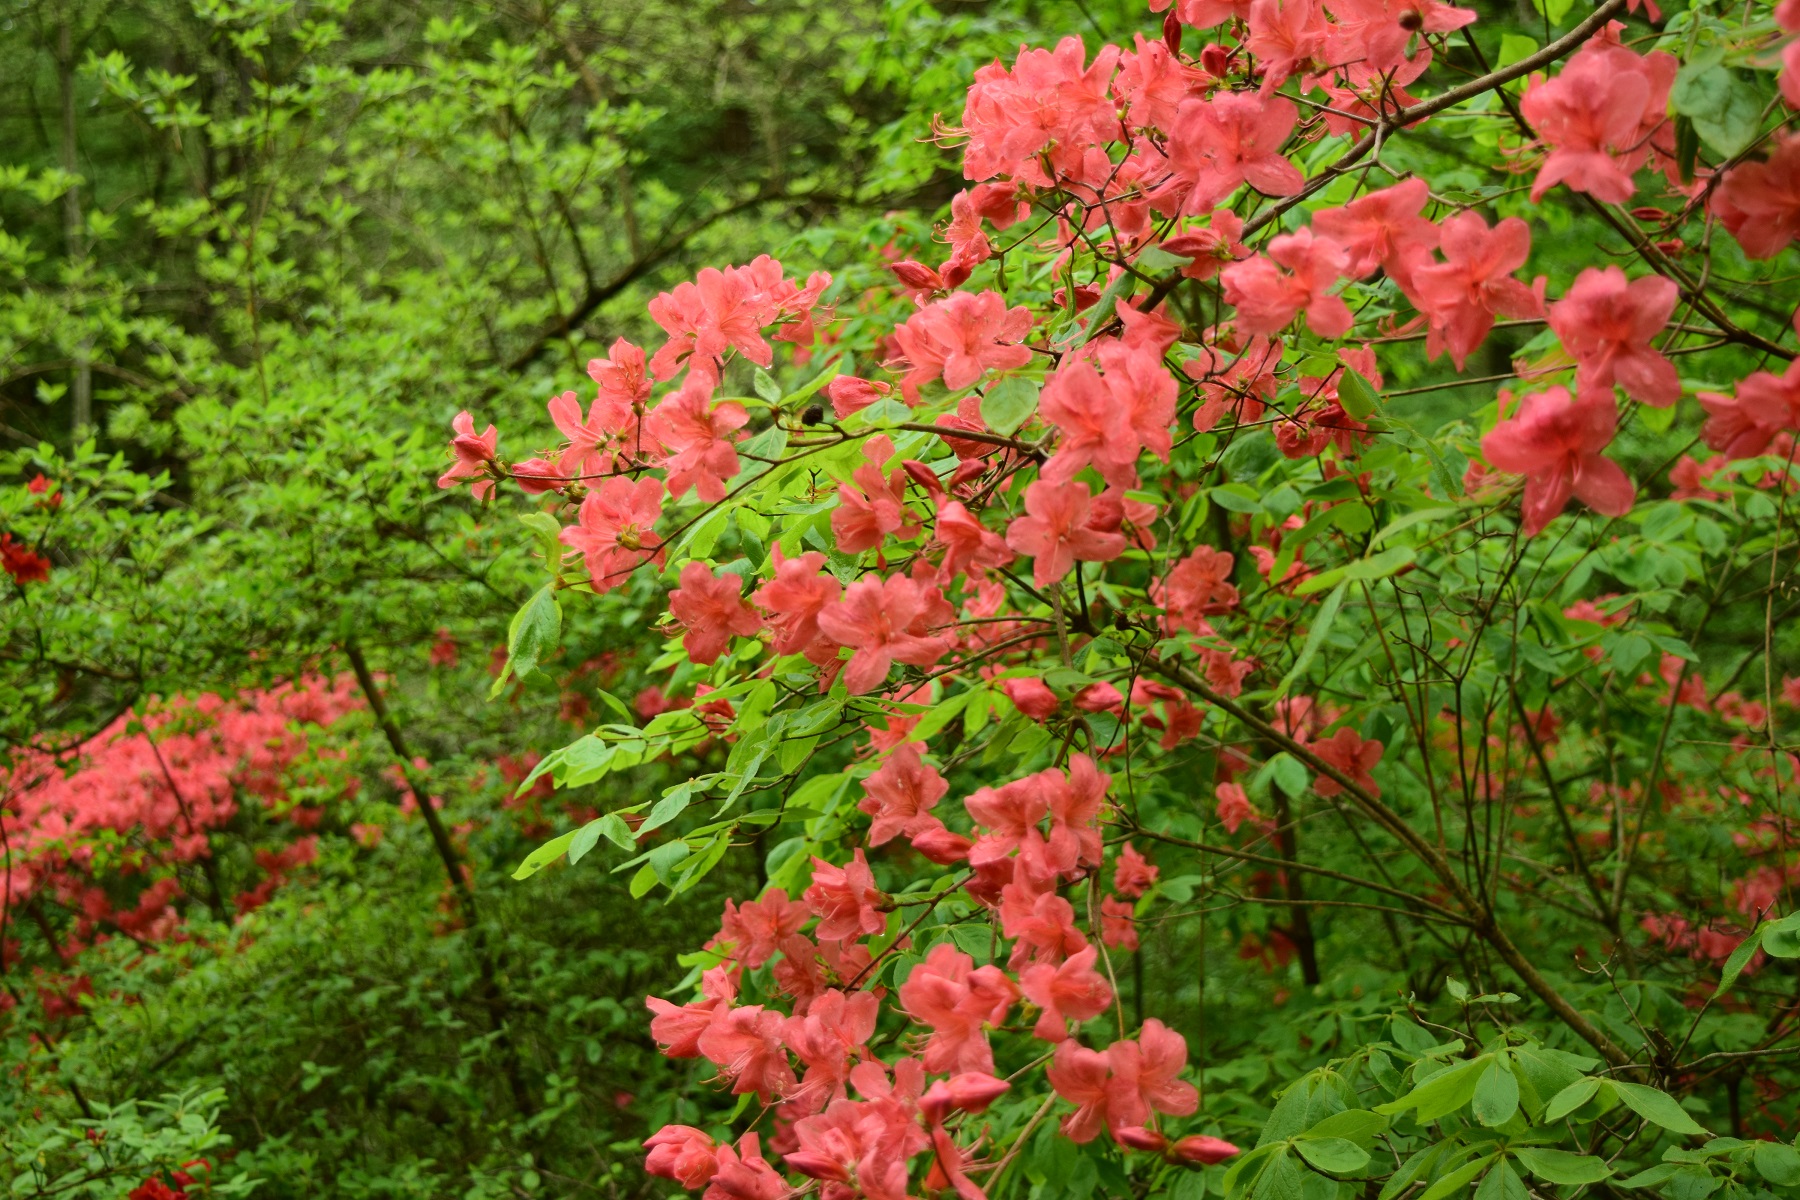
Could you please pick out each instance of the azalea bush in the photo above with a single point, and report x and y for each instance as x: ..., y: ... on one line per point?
x: 1317, y: 510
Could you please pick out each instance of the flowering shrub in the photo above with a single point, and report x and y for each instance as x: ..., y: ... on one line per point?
x: 120, y: 828
x: 1101, y: 578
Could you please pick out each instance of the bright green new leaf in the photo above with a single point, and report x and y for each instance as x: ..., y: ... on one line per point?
x: 1560, y: 1166
x: 1009, y: 403
x: 1657, y: 1107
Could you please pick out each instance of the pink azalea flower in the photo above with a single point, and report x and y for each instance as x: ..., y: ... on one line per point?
x: 1229, y: 139
x: 615, y: 529
x: 884, y: 622
x: 698, y: 438
x: 1759, y: 202
x: 872, y: 507
x: 684, y: 1154
x: 746, y: 1045
x: 1598, y: 116
x: 794, y: 598
x: 1118, y: 923
x: 1132, y: 872
x: 1351, y: 755
x: 901, y: 794
x: 1197, y: 587
x: 1607, y: 322
x: 1055, y: 531
x: 959, y: 339
x: 969, y: 546
x: 845, y: 899
x: 745, y: 1175
x: 1234, y: 806
x: 1073, y: 991
x: 1555, y: 442
x: 757, y: 928
x: 474, y: 456
x: 1744, y: 424
x: 713, y: 609
x: 1267, y: 298
x: 1048, y: 101
x: 1107, y: 421
x: 1462, y: 295
x: 1383, y: 229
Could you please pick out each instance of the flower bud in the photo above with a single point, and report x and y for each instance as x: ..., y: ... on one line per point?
x: 1133, y: 1138
x: 1202, y: 1148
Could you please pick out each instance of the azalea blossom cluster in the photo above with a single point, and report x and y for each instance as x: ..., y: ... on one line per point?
x: 143, y: 796
x: 962, y: 538
x: 850, y: 1119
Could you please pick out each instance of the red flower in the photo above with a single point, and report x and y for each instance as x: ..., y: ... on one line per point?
x: 1383, y: 229
x: 1266, y: 298
x: 1462, y: 295
x: 1352, y: 756
x: 1073, y: 991
x: 615, y: 530
x: 1743, y: 425
x: 1232, y: 138
x: 1132, y: 872
x: 1759, y: 202
x: 1056, y: 533
x: 24, y: 564
x: 745, y: 1044
x: 901, y: 794
x: 474, y: 456
x: 1607, y: 323
x: 795, y: 597
x: 699, y: 439
x: 713, y: 609
x: 845, y: 899
x: 884, y: 620
x: 961, y: 338
x: 1555, y: 442
x: 684, y: 1154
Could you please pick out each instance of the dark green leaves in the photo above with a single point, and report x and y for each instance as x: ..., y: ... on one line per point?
x: 1562, y: 1167
x: 1725, y: 110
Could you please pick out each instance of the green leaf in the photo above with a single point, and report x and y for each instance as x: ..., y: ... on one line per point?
x: 672, y: 805
x: 1496, y: 1096
x: 766, y: 387
x: 1009, y: 403
x: 1781, y: 939
x: 1453, y: 1183
x: 1376, y: 566
x: 531, y: 637
x: 1357, y: 1125
x: 1355, y: 395
x: 1282, y: 1179
x: 1777, y: 1162
x: 1656, y: 1107
x: 1339, y: 1156
x: 1289, y: 773
x: 665, y: 858
x: 545, y: 854
x: 1236, y: 497
x: 1562, y: 1167
x: 1570, y: 1099
x: 1660, y: 1173
x: 1442, y: 1094
x: 1315, y: 637
x: 1502, y: 1183
x: 1734, y: 966
x: 585, y: 839
x: 1725, y: 109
